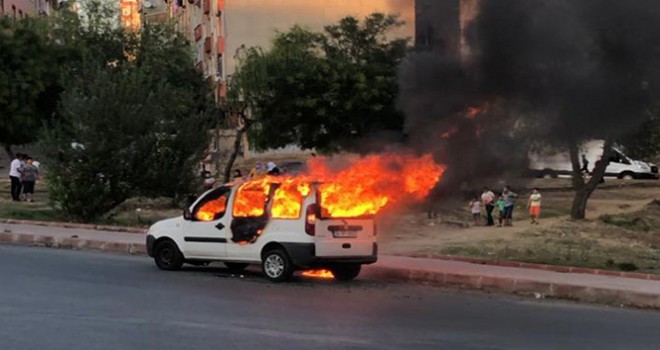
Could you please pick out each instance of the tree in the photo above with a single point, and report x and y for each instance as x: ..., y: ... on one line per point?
x: 644, y: 143
x: 134, y: 125
x: 325, y: 90
x: 38, y: 53
x: 24, y: 72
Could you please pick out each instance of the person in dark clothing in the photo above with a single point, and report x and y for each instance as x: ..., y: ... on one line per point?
x: 585, y: 165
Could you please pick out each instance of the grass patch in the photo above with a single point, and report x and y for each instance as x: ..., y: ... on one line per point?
x: 139, y: 212
x: 588, y: 245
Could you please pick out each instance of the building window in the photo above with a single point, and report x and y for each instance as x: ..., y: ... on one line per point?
x: 20, y: 14
x: 219, y: 66
x: 198, y: 32
x: 13, y: 9
x: 2, y: 7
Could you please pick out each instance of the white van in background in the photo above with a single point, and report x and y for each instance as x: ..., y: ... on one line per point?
x: 552, y: 163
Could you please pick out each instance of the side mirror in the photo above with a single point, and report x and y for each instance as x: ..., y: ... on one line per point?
x: 187, y: 215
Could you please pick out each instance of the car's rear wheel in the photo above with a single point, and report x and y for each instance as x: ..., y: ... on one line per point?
x: 627, y: 176
x: 276, y: 265
x: 168, y: 256
x: 346, y: 272
x: 237, y: 267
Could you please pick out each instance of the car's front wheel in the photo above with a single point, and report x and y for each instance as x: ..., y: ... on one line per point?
x: 276, y: 265
x: 168, y: 256
x: 346, y: 272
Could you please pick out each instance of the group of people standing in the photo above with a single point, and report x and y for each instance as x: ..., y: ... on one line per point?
x: 23, y: 174
x: 259, y: 169
x: 505, y: 202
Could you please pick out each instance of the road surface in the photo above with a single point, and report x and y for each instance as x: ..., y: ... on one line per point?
x: 59, y: 299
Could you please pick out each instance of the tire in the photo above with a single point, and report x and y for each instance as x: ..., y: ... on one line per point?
x: 548, y: 174
x: 276, y: 265
x: 346, y: 272
x: 627, y: 176
x: 237, y: 267
x: 168, y: 256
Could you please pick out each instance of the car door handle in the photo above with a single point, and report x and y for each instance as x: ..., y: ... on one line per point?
x: 220, y: 226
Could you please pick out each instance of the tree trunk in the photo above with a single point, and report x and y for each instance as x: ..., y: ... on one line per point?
x: 244, y: 124
x: 579, y: 208
x: 9, y: 152
x: 234, y: 154
x: 583, y: 190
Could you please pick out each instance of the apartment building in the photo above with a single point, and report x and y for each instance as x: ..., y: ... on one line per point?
x: 443, y: 26
x: 217, y: 28
x: 26, y: 8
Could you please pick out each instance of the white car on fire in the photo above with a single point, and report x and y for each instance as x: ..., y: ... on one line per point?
x: 281, y: 234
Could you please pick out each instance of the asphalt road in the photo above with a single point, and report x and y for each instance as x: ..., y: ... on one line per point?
x: 58, y: 299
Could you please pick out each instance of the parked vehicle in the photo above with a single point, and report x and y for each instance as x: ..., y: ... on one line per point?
x: 216, y: 228
x: 551, y: 163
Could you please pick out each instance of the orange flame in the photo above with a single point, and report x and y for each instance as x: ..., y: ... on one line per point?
x: 251, y: 198
x: 373, y: 182
x: 362, y: 188
x: 318, y: 274
x: 473, y: 112
x: 209, y: 209
x: 287, y: 200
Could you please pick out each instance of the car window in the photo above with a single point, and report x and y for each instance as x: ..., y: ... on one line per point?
x: 251, y: 200
x: 288, y: 199
x: 213, y: 206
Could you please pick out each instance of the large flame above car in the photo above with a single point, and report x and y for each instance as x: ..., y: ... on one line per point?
x: 362, y: 186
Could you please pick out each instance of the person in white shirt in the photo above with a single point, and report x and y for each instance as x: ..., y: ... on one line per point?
x: 488, y: 200
x: 534, y: 205
x: 15, y: 176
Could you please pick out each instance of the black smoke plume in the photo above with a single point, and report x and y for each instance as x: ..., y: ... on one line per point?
x: 538, y: 72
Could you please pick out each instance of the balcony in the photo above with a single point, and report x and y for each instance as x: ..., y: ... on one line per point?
x: 208, y: 45
x: 198, y: 32
x: 222, y: 90
x: 220, y: 45
x: 219, y: 67
x: 207, y: 7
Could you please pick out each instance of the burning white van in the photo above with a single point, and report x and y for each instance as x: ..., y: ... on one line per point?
x: 281, y: 225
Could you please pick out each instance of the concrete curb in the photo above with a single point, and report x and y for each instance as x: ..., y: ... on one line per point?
x: 556, y: 268
x: 519, y: 286
x: 124, y: 229
x: 524, y: 265
x: 483, y: 283
x: 73, y: 243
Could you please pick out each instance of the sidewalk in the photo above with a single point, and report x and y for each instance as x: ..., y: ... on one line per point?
x: 540, y: 283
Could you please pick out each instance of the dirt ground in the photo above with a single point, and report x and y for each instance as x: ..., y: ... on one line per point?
x: 622, y: 231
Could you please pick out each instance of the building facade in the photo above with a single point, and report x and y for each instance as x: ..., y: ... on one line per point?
x: 218, y: 28
x: 26, y: 8
x: 443, y: 26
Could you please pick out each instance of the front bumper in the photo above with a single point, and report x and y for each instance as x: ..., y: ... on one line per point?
x: 150, y: 245
x: 304, y: 255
